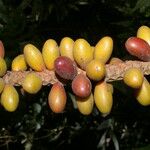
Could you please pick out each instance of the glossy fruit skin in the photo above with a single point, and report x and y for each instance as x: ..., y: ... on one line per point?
x: 32, y: 83
x: 103, y: 97
x: 19, y: 63
x: 2, y: 84
x: 2, y: 50
x: 81, y: 86
x: 144, y: 33
x: 34, y: 57
x: 85, y: 105
x: 9, y: 98
x: 57, y: 98
x: 82, y: 52
x: 115, y: 61
x: 3, y: 67
x: 103, y: 49
x: 138, y: 47
x: 66, y: 47
x: 133, y: 77
x: 143, y: 94
x: 65, y: 67
x: 50, y: 52
x: 95, y: 70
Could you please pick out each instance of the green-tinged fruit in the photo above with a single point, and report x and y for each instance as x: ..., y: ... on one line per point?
x: 133, y: 77
x: 50, y: 52
x: 34, y: 57
x: 57, y: 98
x: 103, y: 97
x: 82, y: 52
x: 10, y: 98
x: 144, y: 33
x: 32, y: 83
x: 95, y: 70
x: 103, y: 49
x: 2, y: 84
x: 85, y: 105
x: 3, y: 67
x: 19, y: 63
x: 143, y: 93
x: 66, y: 47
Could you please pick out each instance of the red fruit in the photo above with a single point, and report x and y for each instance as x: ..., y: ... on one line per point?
x: 2, y: 50
x: 65, y: 67
x: 138, y: 47
x: 57, y: 98
x: 81, y: 86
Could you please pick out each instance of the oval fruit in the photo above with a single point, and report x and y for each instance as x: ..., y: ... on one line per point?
x: 85, y: 105
x: 95, y: 70
x: 10, y: 98
x: 103, y: 97
x: 143, y: 93
x: 103, y: 49
x: 2, y: 50
x: 133, y: 77
x: 19, y: 63
x: 65, y: 67
x: 82, y: 52
x: 110, y: 87
x: 50, y: 52
x: 138, y: 47
x: 32, y: 83
x: 57, y: 98
x: 2, y: 84
x: 144, y: 33
x: 115, y: 61
x: 81, y: 86
x: 3, y: 67
x: 66, y: 47
x: 34, y: 57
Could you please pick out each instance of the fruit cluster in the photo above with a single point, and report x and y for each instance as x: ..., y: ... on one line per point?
x: 88, y: 86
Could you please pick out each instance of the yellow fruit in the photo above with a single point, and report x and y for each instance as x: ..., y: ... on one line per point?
x: 2, y: 50
x: 19, y: 63
x: 32, y: 83
x: 115, y: 60
x: 10, y: 98
x: 3, y: 67
x: 143, y: 93
x: 66, y: 47
x: 57, y: 98
x: 85, y: 105
x: 50, y: 52
x: 2, y: 84
x: 103, y: 97
x: 133, y: 77
x: 95, y: 70
x: 144, y: 33
x: 34, y: 57
x: 82, y: 52
x: 110, y: 87
x: 103, y: 49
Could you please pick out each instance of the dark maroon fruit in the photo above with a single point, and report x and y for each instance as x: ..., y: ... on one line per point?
x: 65, y: 67
x: 138, y: 47
x: 81, y: 86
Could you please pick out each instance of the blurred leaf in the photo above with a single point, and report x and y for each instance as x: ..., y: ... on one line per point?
x: 102, y: 141
x: 115, y: 141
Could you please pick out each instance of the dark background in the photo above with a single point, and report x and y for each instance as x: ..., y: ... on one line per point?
x: 33, y: 125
